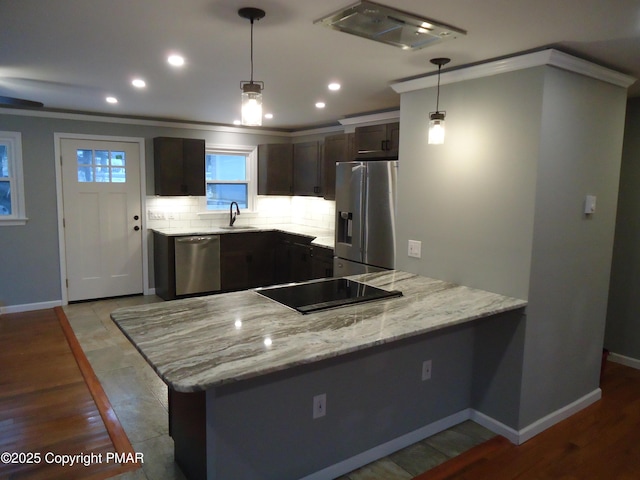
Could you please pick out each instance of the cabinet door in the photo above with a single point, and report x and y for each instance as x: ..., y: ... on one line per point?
x: 301, y: 262
x: 321, y: 262
x: 247, y: 260
x: 167, y: 155
x: 179, y: 166
x: 371, y: 140
x: 377, y: 141
x: 306, y: 169
x: 193, y: 167
x: 164, y: 266
x: 275, y: 169
x: 393, y: 138
x: 335, y: 150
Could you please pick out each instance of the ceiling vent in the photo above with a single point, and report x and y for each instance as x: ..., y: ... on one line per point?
x: 388, y: 25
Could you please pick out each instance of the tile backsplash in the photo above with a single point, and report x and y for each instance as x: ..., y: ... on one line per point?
x: 189, y: 212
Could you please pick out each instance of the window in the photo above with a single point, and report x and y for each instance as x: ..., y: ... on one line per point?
x: 228, y: 178
x: 12, y: 211
x: 101, y: 166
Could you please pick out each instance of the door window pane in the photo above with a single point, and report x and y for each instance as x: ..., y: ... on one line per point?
x: 85, y: 165
x: 101, y: 166
x: 118, y: 172
x: 220, y: 195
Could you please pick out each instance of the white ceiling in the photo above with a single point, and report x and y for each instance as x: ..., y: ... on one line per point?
x: 71, y: 54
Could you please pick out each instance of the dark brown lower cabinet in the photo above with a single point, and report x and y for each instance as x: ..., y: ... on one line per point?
x: 321, y: 262
x: 249, y: 260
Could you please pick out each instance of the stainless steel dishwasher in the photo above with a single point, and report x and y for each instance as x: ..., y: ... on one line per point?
x: 197, y: 264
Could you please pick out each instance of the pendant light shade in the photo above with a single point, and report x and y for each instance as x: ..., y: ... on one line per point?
x: 436, y: 128
x: 436, y: 119
x: 251, y: 91
x: 251, y: 104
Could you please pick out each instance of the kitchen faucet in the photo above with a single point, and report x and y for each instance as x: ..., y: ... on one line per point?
x: 232, y: 216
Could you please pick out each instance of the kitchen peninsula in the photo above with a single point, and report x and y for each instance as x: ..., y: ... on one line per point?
x: 242, y: 371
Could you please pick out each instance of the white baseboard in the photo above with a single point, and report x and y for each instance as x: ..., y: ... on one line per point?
x: 624, y: 360
x: 520, y: 436
x: 28, y: 307
x: 517, y: 437
x: 388, y: 448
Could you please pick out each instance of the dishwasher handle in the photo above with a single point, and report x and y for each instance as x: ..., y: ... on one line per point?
x: 202, y: 239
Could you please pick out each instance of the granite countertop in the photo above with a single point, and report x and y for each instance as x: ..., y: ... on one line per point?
x: 198, y: 343
x: 322, y: 237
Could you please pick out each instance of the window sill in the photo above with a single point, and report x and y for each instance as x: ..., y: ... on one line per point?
x: 10, y: 222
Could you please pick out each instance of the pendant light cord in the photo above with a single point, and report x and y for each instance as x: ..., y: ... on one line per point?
x: 438, y: 91
x: 251, y: 51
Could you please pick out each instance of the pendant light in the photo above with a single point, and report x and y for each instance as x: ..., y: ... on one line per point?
x: 436, y: 119
x: 251, y: 91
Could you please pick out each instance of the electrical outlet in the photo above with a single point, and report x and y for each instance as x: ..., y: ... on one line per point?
x: 426, y: 370
x: 319, y: 405
x: 153, y: 215
x: 415, y: 248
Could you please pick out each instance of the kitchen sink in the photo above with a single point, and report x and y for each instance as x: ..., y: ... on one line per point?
x: 237, y: 227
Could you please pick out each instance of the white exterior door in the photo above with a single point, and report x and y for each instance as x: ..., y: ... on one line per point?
x: 102, y: 218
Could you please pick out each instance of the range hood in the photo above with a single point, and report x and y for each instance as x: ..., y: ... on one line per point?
x: 387, y: 25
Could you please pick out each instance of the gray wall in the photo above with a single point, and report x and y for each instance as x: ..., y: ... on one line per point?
x: 571, y: 257
x: 623, y: 326
x: 372, y: 397
x: 499, y: 207
x: 29, y: 255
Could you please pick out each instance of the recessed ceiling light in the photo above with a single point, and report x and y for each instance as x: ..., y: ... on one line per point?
x: 111, y: 100
x: 334, y: 86
x: 138, y: 83
x: 175, y: 60
x: 268, y: 116
x: 237, y: 122
x: 320, y: 105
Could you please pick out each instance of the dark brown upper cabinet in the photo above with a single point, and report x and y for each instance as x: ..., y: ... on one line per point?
x: 337, y: 148
x: 307, y: 169
x: 179, y: 166
x: 377, y: 141
x: 275, y: 169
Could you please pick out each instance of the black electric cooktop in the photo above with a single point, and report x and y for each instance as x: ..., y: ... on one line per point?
x: 324, y: 294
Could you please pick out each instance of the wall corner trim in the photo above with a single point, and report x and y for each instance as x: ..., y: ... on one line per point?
x: 551, y: 57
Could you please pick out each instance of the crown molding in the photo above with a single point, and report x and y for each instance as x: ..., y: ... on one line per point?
x: 551, y: 57
x: 87, y: 117
x: 371, y: 118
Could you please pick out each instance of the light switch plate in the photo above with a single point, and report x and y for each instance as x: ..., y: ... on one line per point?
x: 415, y: 248
x: 590, y: 204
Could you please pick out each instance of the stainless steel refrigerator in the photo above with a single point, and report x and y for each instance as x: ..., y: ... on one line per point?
x: 365, y: 216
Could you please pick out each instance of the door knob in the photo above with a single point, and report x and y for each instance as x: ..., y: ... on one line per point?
x: 136, y: 217
x: 136, y: 228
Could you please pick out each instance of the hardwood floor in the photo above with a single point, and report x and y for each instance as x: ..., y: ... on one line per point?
x: 599, y: 442
x: 46, y: 406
